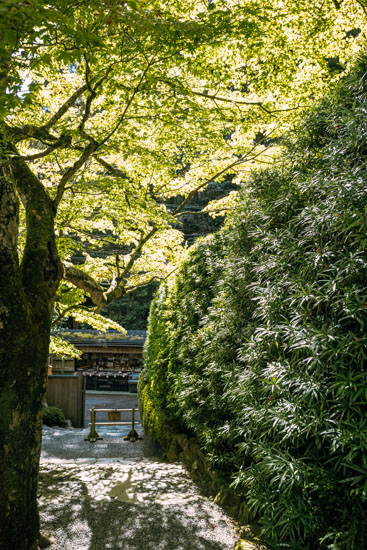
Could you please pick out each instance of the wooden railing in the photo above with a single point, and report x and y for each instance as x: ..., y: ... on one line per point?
x: 94, y: 436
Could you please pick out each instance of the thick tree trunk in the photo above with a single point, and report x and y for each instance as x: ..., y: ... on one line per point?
x: 27, y: 291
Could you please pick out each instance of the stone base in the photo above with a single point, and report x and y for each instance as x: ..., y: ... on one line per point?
x: 243, y: 544
x: 44, y: 542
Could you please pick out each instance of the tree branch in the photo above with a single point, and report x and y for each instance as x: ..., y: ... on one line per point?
x: 68, y: 310
x: 137, y: 251
x: 61, y: 142
x: 91, y: 97
x: 244, y: 158
x: 255, y: 103
x: 88, y: 151
x: 127, y: 106
x: 134, y: 287
x: 203, y: 212
x: 115, y: 172
x: 112, y: 169
x: 234, y: 101
x: 85, y: 282
x: 65, y: 107
x: 362, y: 3
x: 117, y: 288
x: 41, y: 266
x: 179, y: 209
x: 215, y: 98
x: 19, y: 133
x: 151, y: 280
x: 42, y: 133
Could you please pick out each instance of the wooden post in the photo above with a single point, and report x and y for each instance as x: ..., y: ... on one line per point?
x: 133, y: 434
x: 93, y: 435
x: 80, y: 399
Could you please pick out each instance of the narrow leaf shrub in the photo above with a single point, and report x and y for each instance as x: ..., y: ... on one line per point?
x: 258, y: 348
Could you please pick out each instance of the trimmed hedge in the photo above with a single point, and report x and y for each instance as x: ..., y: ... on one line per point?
x: 258, y: 347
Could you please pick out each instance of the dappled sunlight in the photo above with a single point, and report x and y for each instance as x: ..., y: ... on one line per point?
x: 108, y: 495
x: 131, y: 482
x: 129, y: 506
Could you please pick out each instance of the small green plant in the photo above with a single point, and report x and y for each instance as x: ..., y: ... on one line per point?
x: 53, y: 416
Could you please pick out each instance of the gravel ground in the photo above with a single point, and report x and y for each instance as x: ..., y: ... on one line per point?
x: 116, y: 495
x: 62, y: 444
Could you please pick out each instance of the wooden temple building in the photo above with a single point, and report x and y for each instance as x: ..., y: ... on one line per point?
x: 110, y: 360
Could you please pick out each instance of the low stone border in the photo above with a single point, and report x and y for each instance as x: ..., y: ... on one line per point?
x: 215, y: 483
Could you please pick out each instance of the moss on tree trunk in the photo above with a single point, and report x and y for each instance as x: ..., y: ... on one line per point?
x: 27, y: 291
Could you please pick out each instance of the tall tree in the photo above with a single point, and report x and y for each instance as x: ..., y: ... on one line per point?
x: 107, y: 109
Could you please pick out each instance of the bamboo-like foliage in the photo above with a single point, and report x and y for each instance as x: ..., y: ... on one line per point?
x: 258, y: 348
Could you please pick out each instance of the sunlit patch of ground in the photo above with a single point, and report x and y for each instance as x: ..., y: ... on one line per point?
x: 129, y: 505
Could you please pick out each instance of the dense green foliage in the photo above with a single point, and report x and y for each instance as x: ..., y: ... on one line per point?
x: 258, y: 347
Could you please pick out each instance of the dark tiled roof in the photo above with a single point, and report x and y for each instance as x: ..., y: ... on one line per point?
x: 133, y: 338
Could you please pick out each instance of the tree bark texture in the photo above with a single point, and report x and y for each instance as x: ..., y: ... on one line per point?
x: 27, y: 291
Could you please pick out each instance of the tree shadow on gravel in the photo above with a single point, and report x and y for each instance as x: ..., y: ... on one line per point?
x: 141, y: 522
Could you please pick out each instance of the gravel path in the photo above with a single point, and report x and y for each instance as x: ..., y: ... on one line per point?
x: 91, y: 500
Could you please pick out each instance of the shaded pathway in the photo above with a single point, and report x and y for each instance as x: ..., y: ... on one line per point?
x: 91, y: 500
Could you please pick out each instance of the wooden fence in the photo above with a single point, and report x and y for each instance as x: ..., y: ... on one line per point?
x: 67, y: 391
